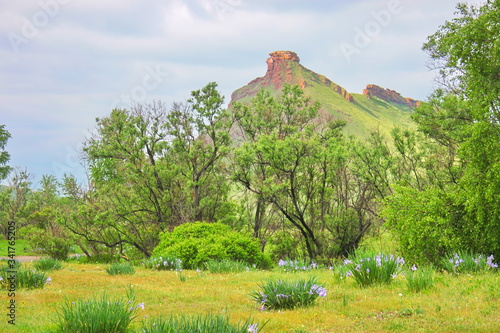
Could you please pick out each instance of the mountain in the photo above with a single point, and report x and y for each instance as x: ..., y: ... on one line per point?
x: 375, y: 108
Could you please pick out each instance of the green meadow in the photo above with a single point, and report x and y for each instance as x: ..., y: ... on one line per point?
x: 456, y: 303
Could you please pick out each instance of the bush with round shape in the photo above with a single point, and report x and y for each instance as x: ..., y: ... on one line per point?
x: 197, y: 243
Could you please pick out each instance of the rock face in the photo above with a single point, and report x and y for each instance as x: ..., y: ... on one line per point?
x: 284, y: 67
x: 389, y: 95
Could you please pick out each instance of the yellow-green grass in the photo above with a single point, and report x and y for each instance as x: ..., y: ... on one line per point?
x: 456, y: 304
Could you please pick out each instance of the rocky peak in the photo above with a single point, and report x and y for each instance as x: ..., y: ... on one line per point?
x: 280, y: 57
x: 389, y: 95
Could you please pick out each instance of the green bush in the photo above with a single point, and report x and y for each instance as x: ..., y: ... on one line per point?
x: 197, y: 243
x: 282, y: 295
x: 47, y: 264
x: 100, y: 314
x: 49, y: 245
x: 120, y: 268
x: 201, y: 324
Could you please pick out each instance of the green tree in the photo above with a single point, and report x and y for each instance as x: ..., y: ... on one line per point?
x: 200, y: 131
x: 302, y: 167
x: 4, y: 155
x: 462, y: 117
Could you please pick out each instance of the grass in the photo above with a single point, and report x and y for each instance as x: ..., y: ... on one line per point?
x: 456, y: 303
x: 22, y: 248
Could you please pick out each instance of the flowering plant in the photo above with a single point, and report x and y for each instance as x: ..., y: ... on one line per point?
x: 279, y: 294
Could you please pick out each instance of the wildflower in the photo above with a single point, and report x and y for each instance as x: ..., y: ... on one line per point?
x: 368, y: 270
x: 253, y: 328
x: 315, y: 289
x: 378, y: 260
x: 347, y: 262
x: 348, y: 273
x: 489, y: 262
x: 48, y: 280
x: 400, y: 261
x: 141, y: 305
x: 282, y: 263
x: 413, y: 268
x: 314, y: 265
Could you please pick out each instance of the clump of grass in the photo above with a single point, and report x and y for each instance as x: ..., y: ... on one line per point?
x: 120, y: 269
x: 22, y: 278
x: 296, y: 265
x: 281, y: 295
x: 163, y: 264
x: 202, y: 323
x: 375, y: 270
x: 101, y: 314
x: 47, y: 264
x: 420, y: 279
x: 226, y: 266
x: 465, y: 262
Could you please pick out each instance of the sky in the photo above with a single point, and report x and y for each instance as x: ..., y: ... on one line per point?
x: 64, y: 63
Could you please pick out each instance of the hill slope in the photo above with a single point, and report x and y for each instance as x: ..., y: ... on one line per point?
x: 376, y: 108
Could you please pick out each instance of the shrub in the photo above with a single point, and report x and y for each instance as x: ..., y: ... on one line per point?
x: 50, y: 245
x: 202, y: 324
x: 47, y: 264
x: 226, y: 266
x: 24, y: 278
x: 120, y: 269
x: 379, y: 269
x: 100, y: 314
x: 419, y: 279
x: 280, y: 295
x: 163, y: 264
x: 465, y: 262
x: 197, y: 243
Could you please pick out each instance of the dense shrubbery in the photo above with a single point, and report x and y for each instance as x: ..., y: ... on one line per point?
x: 197, y: 243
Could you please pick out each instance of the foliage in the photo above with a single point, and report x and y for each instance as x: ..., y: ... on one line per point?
x: 120, y: 268
x: 100, y: 314
x: 4, y: 155
x: 163, y: 263
x: 22, y: 278
x: 420, y: 279
x: 465, y: 262
x: 201, y: 323
x: 197, y: 243
x: 286, y: 295
x: 296, y: 265
x: 376, y: 270
x: 226, y: 266
x: 303, y: 170
x: 47, y: 264
x: 421, y: 224
x: 53, y: 246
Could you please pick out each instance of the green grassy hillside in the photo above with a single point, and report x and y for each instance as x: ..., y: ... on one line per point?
x: 361, y: 113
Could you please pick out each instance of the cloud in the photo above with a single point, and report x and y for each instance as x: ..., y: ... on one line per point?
x: 79, y: 63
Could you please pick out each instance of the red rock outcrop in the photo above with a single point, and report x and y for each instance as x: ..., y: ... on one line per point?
x: 284, y: 67
x: 389, y: 95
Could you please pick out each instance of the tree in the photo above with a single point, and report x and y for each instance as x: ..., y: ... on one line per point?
x: 463, y: 118
x: 302, y: 169
x: 4, y: 155
x: 200, y: 142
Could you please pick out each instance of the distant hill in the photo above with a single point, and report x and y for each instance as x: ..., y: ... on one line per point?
x: 376, y: 108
